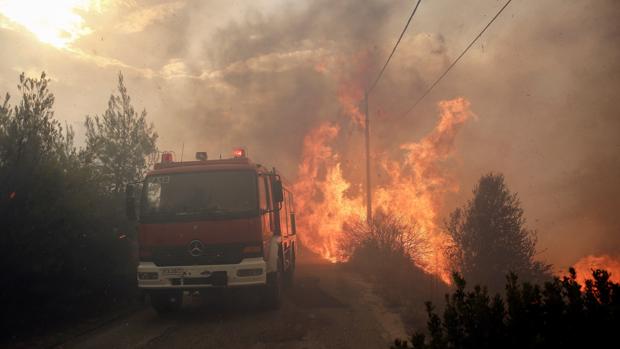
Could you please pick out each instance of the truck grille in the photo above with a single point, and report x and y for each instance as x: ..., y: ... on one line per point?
x: 212, y: 254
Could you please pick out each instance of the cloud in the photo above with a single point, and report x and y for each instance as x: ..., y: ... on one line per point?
x: 140, y: 18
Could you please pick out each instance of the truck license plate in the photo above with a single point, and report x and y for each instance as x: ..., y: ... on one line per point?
x: 172, y: 271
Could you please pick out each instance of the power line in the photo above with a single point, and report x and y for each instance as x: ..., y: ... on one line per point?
x: 457, y: 59
x: 395, y: 46
x: 367, y: 118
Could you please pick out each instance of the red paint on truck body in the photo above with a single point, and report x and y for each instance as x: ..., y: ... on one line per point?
x: 241, y: 230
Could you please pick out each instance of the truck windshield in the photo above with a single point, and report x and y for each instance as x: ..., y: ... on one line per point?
x: 200, y: 195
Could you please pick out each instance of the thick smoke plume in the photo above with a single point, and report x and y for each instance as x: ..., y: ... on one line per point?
x: 543, y: 82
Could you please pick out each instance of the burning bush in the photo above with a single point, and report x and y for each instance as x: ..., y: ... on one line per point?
x: 606, y: 262
x: 386, y: 251
x: 413, y: 180
x: 387, y: 237
x: 560, y: 314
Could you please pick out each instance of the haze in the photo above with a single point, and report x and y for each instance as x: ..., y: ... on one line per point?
x: 212, y: 75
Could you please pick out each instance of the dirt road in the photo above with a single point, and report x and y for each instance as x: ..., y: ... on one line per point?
x: 326, y: 308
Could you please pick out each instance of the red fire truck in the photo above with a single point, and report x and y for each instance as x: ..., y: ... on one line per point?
x: 213, y: 224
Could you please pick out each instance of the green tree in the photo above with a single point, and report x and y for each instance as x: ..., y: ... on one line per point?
x: 58, y: 244
x: 47, y: 199
x: 119, y: 141
x: 29, y: 134
x: 560, y: 313
x: 490, y: 236
x: 34, y: 153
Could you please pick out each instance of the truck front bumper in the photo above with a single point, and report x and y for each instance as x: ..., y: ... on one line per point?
x: 250, y: 272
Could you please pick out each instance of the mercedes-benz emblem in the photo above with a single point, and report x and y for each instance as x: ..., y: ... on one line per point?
x: 196, y: 248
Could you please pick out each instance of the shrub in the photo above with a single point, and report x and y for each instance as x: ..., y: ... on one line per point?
x: 386, y: 251
x: 386, y: 237
x: 60, y: 250
x: 561, y: 313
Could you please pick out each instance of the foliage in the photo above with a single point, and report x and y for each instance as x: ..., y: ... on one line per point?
x: 39, y: 183
x: 491, y: 238
x: 119, y: 141
x: 386, y: 251
x: 29, y: 135
x: 385, y: 237
x: 560, y: 314
x: 59, y: 239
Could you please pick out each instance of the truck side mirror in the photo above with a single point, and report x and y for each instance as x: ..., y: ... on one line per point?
x: 130, y: 203
x: 278, y: 192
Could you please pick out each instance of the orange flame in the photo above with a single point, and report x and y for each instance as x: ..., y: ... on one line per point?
x: 323, y: 201
x: 418, y: 185
x: 350, y: 99
x: 350, y: 90
x: 585, y: 265
x: 415, y: 187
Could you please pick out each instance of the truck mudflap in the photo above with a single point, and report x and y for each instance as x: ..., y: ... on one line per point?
x: 250, y: 272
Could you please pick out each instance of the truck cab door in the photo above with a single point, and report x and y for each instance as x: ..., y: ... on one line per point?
x: 266, y: 213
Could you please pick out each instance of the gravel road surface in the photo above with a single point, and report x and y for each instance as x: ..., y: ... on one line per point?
x: 327, y: 307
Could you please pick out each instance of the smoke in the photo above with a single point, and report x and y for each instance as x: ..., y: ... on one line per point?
x: 274, y: 77
x: 213, y: 75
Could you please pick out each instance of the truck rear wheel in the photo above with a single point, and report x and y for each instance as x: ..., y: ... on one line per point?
x: 273, y: 290
x: 166, y: 302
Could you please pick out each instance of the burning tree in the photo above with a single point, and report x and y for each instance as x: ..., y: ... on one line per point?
x: 490, y: 237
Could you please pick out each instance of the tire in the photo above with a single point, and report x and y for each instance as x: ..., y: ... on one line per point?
x: 166, y: 302
x: 273, y: 290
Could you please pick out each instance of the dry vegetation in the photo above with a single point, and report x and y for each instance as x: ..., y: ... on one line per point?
x: 385, y: 251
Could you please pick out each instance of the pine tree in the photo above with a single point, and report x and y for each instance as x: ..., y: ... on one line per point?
x: 490, y: 236
x: 119, y: 141
x: 41, y: 184
x: 58, y: 241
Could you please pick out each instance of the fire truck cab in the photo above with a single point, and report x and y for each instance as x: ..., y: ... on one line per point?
x: 213, y: 224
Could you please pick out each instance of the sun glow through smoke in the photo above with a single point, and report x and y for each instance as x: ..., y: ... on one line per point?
x: 56, y: 22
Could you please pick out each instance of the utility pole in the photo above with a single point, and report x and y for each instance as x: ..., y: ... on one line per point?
x: 367, y: 134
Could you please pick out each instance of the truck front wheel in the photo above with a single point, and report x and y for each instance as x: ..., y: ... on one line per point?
x: 273, y: 290
x: 166, y: 302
